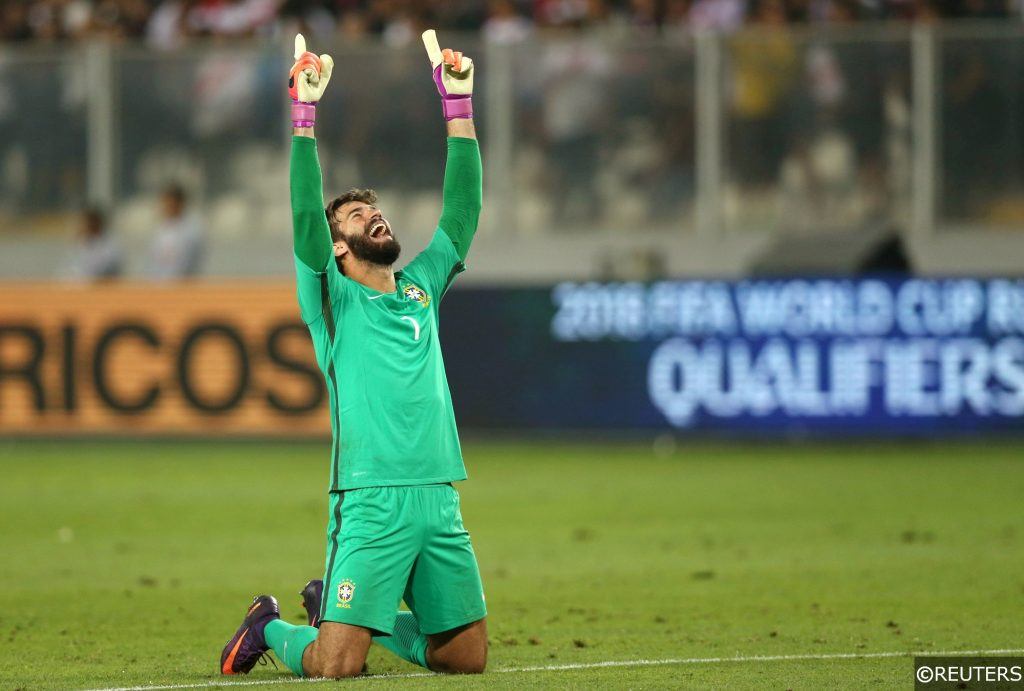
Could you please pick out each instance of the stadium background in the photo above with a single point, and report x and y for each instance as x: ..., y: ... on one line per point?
x: 742, y: 327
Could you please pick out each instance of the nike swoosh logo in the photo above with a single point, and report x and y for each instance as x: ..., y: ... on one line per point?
x: 230, y: 660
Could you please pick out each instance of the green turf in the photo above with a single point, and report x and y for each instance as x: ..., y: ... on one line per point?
x: 132, y: 563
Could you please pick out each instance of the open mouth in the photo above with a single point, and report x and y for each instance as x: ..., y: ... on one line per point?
x: 379, y: 229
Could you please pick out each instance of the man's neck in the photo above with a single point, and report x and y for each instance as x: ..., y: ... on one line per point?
x: 373, y: 276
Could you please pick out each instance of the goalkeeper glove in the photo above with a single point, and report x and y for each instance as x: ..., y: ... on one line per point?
x: 306, y: 82
x: 453, y: 74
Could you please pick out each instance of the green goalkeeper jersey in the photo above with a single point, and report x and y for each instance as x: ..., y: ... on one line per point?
x: 391, y: 410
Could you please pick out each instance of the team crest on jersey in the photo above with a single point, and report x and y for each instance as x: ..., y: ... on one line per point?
x: 417, y: 294
x: 346, y: 591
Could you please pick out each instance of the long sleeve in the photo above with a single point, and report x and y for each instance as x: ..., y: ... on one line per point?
x: 309, y: 224
x: 463, y: 193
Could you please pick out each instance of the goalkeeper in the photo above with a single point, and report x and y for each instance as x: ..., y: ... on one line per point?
x: 395, y: 530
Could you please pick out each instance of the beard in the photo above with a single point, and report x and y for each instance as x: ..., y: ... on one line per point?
x: 382, y: 253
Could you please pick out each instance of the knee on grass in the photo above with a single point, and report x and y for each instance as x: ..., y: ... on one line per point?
x: 470, y: 663
x: 341, y: 668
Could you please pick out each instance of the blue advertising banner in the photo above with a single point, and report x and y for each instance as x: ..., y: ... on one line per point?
x: 778, y: 357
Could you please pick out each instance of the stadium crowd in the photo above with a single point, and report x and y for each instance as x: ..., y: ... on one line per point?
x: 816, y: 130
x: 167, y: 23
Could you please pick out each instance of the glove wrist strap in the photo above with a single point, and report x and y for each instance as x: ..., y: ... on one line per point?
x: 457, y: 107
x: 303, y: 114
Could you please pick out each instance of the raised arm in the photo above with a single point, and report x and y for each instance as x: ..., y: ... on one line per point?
x: 311, y: 233
x: 463, y: 175
x: 306, y: 83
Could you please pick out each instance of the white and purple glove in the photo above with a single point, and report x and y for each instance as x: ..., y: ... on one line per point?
x: 306, y: 82
x: 453, y: 74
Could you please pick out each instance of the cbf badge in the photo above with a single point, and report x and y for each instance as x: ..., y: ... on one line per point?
x: 346, y: 590
x: 414, y: 293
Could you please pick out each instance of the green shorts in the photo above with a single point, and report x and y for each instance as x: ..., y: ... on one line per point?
x: 387, y: 544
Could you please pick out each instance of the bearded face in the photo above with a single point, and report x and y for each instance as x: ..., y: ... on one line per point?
x: 377, y: 244
x: 368, y: 234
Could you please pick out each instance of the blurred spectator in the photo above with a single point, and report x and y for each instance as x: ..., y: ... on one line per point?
x: 504, y: 23
x: 724, y: 15
x: 237, y: 18
x: 353, y: 26
x: 223, y: 93
x: 178, y: 243
x: 643, y: 15
x: 560, y: 12
x: 764, y: 71
x: 97, y: 254
x: 118, y: 18
x: 166, y: 28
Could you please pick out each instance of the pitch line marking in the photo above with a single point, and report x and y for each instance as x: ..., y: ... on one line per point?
x: 596, y: 665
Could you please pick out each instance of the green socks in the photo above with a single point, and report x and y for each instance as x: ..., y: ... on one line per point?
x: 406, y: 642
x: 289, y: 642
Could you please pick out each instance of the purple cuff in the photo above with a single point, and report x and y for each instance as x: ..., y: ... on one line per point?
x: 303, y: 114
x: 452, y: 106
x: 457, y: 107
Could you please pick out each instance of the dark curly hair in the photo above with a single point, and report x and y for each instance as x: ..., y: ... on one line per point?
x: 356, y: 194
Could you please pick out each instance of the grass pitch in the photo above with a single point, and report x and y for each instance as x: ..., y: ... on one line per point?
x: 129, y: 564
